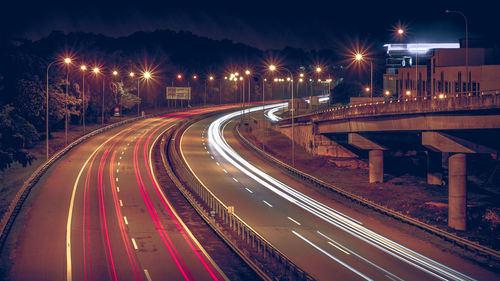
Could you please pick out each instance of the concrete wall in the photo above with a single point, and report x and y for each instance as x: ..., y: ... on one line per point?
x: 315, y: 144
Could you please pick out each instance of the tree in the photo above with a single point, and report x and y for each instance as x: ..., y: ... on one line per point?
x: 344, y: 91
x: 16, y: 134
x: 124, y: 96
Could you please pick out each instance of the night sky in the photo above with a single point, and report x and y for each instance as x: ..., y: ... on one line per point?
x: 263, y: 24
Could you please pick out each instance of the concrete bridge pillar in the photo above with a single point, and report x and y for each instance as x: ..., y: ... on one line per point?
x: 457, y: 192
x: 434, y: 167
x: 376, y: 165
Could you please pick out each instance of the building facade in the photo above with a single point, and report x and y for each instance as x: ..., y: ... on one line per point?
x: 446, y: 74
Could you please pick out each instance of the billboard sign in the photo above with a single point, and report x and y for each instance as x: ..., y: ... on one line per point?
x: 178, y: 93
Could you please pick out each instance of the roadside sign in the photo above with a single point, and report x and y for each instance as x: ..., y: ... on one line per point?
x: 178, y: 93
x: 116, y: 111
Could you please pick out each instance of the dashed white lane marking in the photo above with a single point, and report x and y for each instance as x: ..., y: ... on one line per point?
x: 125, y: 219
x: 248, y: 190
x: 235, y: 180
x: 217, y: 163
x: 208, y: 152
x: 118, y: 163
x: 121, y: 203
x: 205, y: 147
x: 135, y: 244
x: 340, y: 249
x: 117, y: 170
x: 294, y: 220
x: 265, y: 202
x: 224, y: 171
x: 212, y: 157
x: 116, y: 179
x: 146, y: 272
x: 120, y: 158
x: 123, y: 152
x: 117, y: 189
x: 128, y: 144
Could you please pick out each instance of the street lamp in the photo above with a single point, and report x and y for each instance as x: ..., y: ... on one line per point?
x: 96, y: 71
x: 67, y: 61
x: 83, y: 68
x: 466, y: 45
x: 359, y: 57
x: 47, y: 114
x: 273, y: 68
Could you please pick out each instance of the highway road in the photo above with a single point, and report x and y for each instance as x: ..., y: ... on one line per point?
x: 99, y: 214
x: 326, y: 238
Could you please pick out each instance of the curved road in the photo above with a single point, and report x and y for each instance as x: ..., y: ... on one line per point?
x: 100, y: 215
x: 326, y: 238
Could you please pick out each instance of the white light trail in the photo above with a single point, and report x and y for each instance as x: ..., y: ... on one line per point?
x: 321, y: 210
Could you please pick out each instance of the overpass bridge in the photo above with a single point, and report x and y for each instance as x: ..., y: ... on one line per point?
x: 446, y: 128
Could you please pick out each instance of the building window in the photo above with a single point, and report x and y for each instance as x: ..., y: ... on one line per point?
x: 464, y: 87
x: 457, y: 87
x: 459, y: 80
x: 433, y: 65
x: 446, y: 87
x: 474, y: 87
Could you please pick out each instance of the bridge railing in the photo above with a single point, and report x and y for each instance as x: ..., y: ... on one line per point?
x: 410, y: 105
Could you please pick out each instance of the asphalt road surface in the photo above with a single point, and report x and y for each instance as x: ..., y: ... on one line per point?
x: 329, y: 240
x: 99, y: 214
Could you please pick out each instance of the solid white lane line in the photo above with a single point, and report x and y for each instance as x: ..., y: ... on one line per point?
x: 121, y: 203
x: 294, y: 221
x: 265, y: 202
x: 390, y: 277
x: 224, y: 171
x: 146, y: 272
x: 331, y: 256
x: 338, y: 248
x: 125, y: 219
x: 248, y: 190
x: 235, y: 180
x: 135, y: 244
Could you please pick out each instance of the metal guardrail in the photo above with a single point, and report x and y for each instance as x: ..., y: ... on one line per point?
x: 444, y: 103
x: 251, y: 244
x: 492, y: 256
x: 16, y: 203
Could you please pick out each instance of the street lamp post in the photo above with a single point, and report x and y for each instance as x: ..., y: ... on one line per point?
x: 83, y: 68
x: 360, y: 57
x: 47, y: 115
x: 67, y: 61
x: 273, y: 68
x: 466, y: 45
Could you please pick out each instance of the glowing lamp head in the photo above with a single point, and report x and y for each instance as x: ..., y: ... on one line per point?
x: 401, y: 31
x: 301, y: 74
x: 358, y: 57
x: 96, y: 70
x: 131, y: 74
x: 247, y: 72
x: 441, y: 96
x: 67, y: 60
x: 236, y: 74
x: 211, y: 78
x: 147, y: 74
x: 367, y: 89
x: 288, y: 79
x: 225, y: 77
x: 115, y: 72
x: 83, y: 67
x: 387, y: 93
x: 272, y: 67
x: 408, y: 93
x: 195, y: 77
x: 301, y: 80
x: 318, y: 69
x: 241, y: 78
x: 179, y: 76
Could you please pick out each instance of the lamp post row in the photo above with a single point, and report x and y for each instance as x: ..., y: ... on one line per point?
x: 96, y: 70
